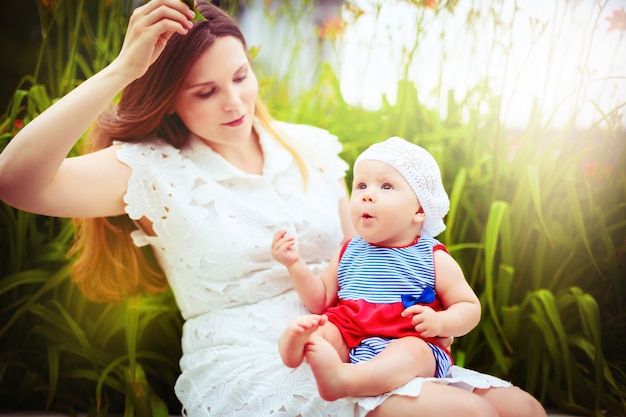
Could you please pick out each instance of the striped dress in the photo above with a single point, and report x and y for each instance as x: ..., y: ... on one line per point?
x: 372, y: 282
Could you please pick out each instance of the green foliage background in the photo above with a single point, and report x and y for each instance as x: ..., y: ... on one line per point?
x: 538, y: 222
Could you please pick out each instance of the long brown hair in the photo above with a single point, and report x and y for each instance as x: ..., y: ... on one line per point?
x: 108, y: 265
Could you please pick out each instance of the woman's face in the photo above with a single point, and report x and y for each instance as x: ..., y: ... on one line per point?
x: 383, y: 206
x: 217, y: 99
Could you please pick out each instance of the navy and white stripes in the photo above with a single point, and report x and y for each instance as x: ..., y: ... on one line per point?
x: 380, y: 275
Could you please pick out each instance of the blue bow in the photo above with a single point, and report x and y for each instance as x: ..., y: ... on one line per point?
x: 427, y: 296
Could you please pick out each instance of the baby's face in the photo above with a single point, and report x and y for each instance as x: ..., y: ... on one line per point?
x: 383, y: 206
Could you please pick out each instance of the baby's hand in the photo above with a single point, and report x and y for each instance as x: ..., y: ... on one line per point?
x: 426, y: 320
x: 284, y: 248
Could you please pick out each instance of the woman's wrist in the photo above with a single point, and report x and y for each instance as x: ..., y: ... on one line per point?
x: 118, y: 74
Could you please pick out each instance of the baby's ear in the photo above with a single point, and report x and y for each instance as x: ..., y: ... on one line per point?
x: 419, y: 217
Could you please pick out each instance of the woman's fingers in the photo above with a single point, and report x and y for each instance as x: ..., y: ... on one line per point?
x: 153, y: 5
x: 149, y: 29
x: 172, y: 15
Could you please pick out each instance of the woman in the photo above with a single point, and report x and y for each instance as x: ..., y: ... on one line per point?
x: 190, y: 163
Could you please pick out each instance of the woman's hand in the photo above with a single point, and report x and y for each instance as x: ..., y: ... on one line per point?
x: 149, y: 29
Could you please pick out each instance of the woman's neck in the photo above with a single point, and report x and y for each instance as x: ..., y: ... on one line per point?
x: 247, y: 156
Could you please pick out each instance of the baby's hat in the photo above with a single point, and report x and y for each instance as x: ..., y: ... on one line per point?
x: 420, y: 170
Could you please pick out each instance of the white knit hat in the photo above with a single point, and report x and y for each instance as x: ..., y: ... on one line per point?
x: 420, y: 170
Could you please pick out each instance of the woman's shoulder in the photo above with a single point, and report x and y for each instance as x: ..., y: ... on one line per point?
x: 305, y: 133
x: 153, y: 144
x: 149, y: 157
x: 153, y: 149
x: 316, y: 145
x: 310, y: 140
x: 300, y: 127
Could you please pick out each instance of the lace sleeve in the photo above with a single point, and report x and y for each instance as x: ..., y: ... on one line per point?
x: 157, y: 170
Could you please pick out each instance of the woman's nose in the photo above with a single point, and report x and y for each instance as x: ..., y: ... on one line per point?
x: 232, y: 101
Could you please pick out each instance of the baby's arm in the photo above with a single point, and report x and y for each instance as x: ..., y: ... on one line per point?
x: 461, y: 305
x: 317, y: 293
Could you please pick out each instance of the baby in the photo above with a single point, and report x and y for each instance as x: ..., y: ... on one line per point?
x: 391, y: 292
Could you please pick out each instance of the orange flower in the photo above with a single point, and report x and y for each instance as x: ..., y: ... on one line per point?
x: 593, y: 171
x: 590, y: 169
x: 332, y: 28
x: 617, y: 20
x: 48, y: 4
x: 430, y: 4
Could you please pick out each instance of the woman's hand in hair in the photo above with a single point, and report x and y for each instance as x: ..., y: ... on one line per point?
x: 149, y: 29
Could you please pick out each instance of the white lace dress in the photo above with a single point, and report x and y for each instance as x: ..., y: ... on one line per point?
x: 214, y: 226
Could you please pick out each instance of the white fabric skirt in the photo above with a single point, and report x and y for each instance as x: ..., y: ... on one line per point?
x: 231, y: 368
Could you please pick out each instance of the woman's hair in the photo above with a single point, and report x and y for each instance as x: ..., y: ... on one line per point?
x: 108, y: 265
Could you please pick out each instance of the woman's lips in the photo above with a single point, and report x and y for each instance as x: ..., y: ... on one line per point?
x: 236, y: 122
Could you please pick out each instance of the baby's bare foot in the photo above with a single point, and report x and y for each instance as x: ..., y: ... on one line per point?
x: 327, y: 368
x: 294, y: 338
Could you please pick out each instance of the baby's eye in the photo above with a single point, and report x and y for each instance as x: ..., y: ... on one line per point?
x: 361, y: 186
x: 386, y: 186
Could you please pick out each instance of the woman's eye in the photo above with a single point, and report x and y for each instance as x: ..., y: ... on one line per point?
x: 241, y: 79
x: 207, y: 94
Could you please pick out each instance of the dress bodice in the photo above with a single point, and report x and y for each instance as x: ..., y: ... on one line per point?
x: 214, y: 223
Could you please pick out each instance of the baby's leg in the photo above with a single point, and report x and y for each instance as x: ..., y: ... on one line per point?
x: 396, y: 365
x: 293, y: 340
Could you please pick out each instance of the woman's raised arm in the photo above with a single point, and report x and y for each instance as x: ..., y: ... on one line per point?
x: 34, y: 172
